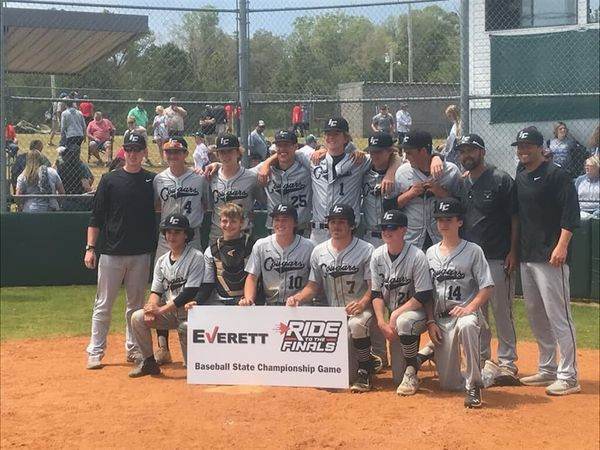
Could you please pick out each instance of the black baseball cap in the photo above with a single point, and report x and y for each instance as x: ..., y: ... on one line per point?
x: 285, y: 209
x: 336, y: 124
x: 286, y: 136
x: 393, y: 219
x: 227, y: 141
x: 341, y: 211
x: 175, y: 222
x: 199, y: 134
x: 471, y: 140
x: 134, y: 141
x: 380, y: 141
x: 448, y: 207
x: 417, y: 139
x: 529, y: 135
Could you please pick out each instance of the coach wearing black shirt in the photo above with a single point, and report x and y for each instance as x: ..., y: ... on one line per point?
x: 548, y: 213
x: 489, y: 221
x: 124, y: 214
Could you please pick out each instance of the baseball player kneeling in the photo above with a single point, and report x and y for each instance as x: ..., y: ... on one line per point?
x: 401, y: 282
x: 178, y: 275
x: 281, y: 260
x: 462, y: 285
x: 341, y: 266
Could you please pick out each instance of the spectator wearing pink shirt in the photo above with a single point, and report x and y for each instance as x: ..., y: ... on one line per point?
x: 100, y: 133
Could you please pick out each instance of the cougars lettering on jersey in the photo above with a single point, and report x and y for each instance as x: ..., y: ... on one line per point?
x: 185, y: 195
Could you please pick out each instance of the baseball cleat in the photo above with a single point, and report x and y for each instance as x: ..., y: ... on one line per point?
x: 362, y: 383
x: 507, y: 377
x: 539, y: 379
x: 490, y: 372
x: 162, y: 355
x: 146, y: 367
x: 563, y: 387
x: 135, y: 358
x: 422, y: 359
x: 94, y: 363
x: 410, y: 382
x: 473, y: 398
x: 376, y: 363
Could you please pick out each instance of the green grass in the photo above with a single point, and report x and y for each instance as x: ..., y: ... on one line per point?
x: 38, y: 312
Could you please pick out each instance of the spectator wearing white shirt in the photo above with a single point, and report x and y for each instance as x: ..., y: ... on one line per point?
x: 588, y: 189
x: 175, y: 115
x: 403, y: 121
x: 161, y: 134
x: 201, y: 158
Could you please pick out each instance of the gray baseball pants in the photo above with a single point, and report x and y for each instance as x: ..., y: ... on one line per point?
x: 501, y: 301
x: 547, y: 300
x: 174, y: 320
x: 133, y: 272
x: 409, y: 323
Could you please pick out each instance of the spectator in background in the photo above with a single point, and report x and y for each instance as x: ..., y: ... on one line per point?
x: 566, y: 151
x: 132, y: 127
x: 230, y: 112
x: 201, y: 158
x: 588, y: 189
x: 87, y: 109
x: 220, y: 119
x: 118, y: 161
x: 57, y: 110
x: 403, y: 121
x: 258, y: 146
x: 175, y: 116
x: 594, y: 142
x: 161, y: 134
x: 19, y: 165
x: 449, y: 150
x: 72, y: 129
x: 305, y: 118
x: 297, y: 122
x: 208, y: 124
x: 100, y: 132
x: 10, y: 140
x: 139, y: 114
x: 38, y: 178
x: 310, y: 144
x: 77, y: 179
x: 383, y: 121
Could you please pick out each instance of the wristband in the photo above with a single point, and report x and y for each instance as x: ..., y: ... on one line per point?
x: 430, y: 321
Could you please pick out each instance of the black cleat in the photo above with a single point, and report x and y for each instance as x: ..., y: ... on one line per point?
x: 146, y: 367
x: 422, y: 359
x: 473, y: 398
x: 362, y: 383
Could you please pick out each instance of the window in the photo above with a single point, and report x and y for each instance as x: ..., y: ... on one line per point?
x: 514, y: 14
x: 593, y: 11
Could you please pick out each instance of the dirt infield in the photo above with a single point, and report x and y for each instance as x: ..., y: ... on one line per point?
x: 48, y: 399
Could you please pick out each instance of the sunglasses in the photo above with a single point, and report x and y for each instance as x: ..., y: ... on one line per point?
x: 133, y: 149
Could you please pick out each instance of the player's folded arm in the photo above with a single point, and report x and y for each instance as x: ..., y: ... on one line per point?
x: 424, y: 297
x: 204, y: 292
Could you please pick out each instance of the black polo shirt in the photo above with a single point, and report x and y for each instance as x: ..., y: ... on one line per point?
x: 488, y: 210
x: 124, y: 212
x: 546, y: 201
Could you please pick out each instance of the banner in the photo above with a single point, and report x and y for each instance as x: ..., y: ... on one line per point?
x: 268, y: 345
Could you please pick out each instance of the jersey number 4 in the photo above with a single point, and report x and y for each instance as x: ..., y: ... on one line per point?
x: 453, y: 293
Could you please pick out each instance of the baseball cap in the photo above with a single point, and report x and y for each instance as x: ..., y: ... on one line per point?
x: 261, y: 123
x: 341, y: 211
x: 417, y: 139
x: 393, y: 219
x: 227, y: 141
x: 310, y: 139
x: 174, y: 144
x: 134, y: 141
x: 379, y: 141
x: 285, y: 209
x: 175, y: 222
x: 448, y: 207
x: 472, y: 140
x: 336, y: 124
x: 172, y: 100
x: 140, y: 100
x: 286, y: 136
x: 199, y: 134
x: 529, y: 135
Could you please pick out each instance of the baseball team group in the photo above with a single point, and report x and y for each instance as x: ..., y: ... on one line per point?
x: 406, y: 242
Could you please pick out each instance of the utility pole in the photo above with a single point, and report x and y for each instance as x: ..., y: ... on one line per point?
x: 410, y: 43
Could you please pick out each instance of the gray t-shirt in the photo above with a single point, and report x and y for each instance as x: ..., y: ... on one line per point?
x: 383, y: 122
x: 48, y: 180
x: 257, y: 144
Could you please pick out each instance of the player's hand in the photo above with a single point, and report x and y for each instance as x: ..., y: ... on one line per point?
x: 435, y: 334
x: 417, y: 189
x: 558, y: 256
x: 318, y: 155
x: 387, y: 330
x: 459, y: 311
x: 387, y: 184
x: 511, y: 262
x: 294, y: 300
x: 149, y: 317
x: 263, y: 175
x: 152, y: 308
x: 198, y: 170
x: 189, y: 305
x: 89, y: 259
x: 436, y: 167
x: 211, y: 170
x: 246, y: 301
x: 354, y: 308
x: 436, y: 189
x: 358, y: 157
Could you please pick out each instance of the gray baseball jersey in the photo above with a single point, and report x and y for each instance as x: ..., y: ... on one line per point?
x: 170, y: 278
x: 185, y: 195
x: 292, y: 186
x: 331, y: 186
x: 342, y: 275
x: 399, y: 280
x: 459, y: 276
x: 284, y: 271
x: 420, y: 210
x: 241, y: 189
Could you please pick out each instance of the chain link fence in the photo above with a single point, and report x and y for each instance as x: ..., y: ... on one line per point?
x: 530, y: 63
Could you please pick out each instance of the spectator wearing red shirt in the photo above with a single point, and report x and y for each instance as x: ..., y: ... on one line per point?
x: 297, y: 122
x: 229, y: 113
x: 100, y: 133
x: 10, y: 137
x: 87, y: 109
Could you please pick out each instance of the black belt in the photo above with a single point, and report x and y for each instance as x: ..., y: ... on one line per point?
x: 375, y: 234
x: 319, y: 226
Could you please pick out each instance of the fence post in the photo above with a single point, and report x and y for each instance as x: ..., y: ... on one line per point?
x: 464, y: 66
x: 3, y: 115
x: 243, y: 67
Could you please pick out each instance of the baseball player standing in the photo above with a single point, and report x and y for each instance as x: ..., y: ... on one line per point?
x: 548, y: 213
x: 341, y: 267
x: 487, y: 194
x: 400, y: 282
x: 462, y: 284
x: 178, y: 275
x: 281, y: 261
x: 124, y: 213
